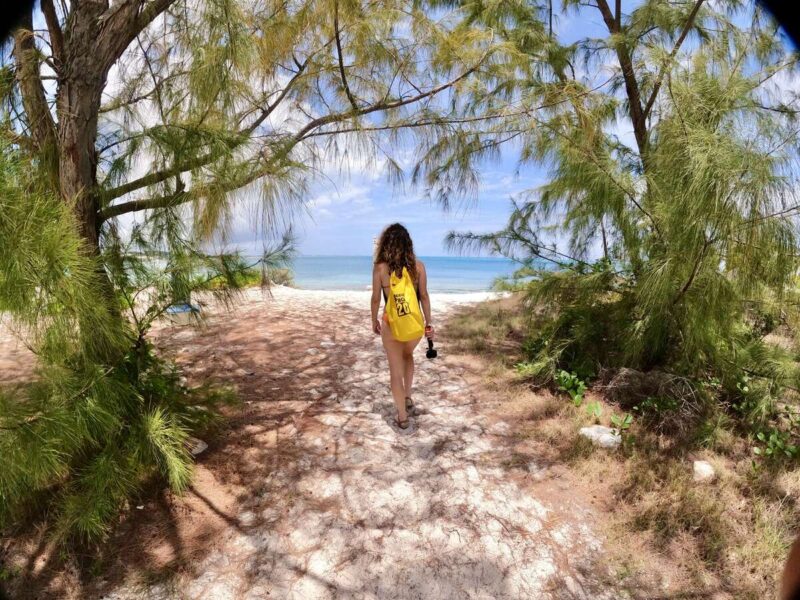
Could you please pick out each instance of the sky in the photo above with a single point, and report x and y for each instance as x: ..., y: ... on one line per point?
x: 345, y: 211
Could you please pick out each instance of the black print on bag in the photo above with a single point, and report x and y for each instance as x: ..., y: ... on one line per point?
x: 402, y: 305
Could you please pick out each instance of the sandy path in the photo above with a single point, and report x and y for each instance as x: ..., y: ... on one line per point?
x: 311, y: 492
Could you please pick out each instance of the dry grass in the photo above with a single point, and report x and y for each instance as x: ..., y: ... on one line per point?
x: 666, y: 535
x: 491, y: 329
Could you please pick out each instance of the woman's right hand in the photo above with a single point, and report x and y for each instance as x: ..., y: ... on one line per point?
x: 429, y: 332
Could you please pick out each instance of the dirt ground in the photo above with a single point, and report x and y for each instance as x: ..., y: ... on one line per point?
x: 311, y: 492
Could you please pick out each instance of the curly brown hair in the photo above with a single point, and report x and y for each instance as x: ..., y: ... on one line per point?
x: 396, y: 249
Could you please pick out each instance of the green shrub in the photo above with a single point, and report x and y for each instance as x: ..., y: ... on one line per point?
x: 572, y: 384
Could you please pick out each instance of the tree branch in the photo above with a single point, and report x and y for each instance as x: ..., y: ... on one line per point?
x: 181, y: 196
x: 34, y: 101
x: 56, y: 34
x: 167, y: 201
x: 200, y: 161
x: 629, y: 76
x: 696, y: 269
x: 383, y: 105
x: 660, y: 78
x: 340, y: 59
x: 120, y: 25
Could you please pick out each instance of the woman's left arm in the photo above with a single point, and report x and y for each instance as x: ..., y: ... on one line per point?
x: 424, y: 298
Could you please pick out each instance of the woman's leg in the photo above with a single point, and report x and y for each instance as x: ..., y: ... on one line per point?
x: 394, y: 352
x: 408, y: 365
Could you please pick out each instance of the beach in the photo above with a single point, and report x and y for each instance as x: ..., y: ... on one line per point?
x: 310, y: 491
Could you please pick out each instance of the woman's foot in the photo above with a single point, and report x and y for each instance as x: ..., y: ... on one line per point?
x: 402, y: 423
x: 411, y: 408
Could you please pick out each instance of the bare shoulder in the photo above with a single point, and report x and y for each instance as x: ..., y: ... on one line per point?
x: 420, y: 266
x: 381, y: 269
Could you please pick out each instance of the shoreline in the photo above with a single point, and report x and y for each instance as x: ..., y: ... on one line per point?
x: 358, y: 297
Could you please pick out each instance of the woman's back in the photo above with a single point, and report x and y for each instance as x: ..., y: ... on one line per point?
x: 401, y: 279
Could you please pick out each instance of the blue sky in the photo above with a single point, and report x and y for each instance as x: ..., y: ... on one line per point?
x: 346, y: 211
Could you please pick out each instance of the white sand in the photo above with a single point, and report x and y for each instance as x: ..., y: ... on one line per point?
x: 439, y: 300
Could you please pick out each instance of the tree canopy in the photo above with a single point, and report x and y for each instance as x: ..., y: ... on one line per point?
x: 692, y: 215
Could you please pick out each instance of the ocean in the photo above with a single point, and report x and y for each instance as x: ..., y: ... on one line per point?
x: 445, y: 273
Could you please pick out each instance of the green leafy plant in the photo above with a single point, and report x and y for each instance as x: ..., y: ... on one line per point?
x: 657, y: 405
x: 622, y: 423
x: 775, y: 444
x: 594, y: 410
x: 572, y: 384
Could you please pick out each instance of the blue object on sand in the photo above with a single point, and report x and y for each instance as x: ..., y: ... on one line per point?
x: 183, y: 307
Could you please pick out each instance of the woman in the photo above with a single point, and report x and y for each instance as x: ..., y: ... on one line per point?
x: 394, y: 252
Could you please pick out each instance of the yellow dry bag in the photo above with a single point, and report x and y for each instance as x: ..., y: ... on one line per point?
x: 402, y: 308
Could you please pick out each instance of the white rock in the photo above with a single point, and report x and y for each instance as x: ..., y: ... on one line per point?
x: 196, y: 446
x: 605, y: 437
x: 247, y: 518
x: 703, y: 471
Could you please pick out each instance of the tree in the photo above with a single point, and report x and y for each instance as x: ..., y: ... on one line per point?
x: 214, y: 96
x: 692, y: 216
x: 166, y: 113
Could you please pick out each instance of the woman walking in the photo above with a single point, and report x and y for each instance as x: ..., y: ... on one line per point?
x: 401, y: 278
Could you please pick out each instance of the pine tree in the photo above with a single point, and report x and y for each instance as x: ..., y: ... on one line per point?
x: 693, y: 216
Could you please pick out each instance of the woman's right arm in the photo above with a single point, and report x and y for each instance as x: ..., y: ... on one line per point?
x: 424, y: 298
x: 375, y: 303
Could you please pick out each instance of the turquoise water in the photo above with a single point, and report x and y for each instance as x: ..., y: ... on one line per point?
x: 445, y: 273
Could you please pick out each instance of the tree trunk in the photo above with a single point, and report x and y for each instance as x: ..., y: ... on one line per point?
x: 78, y: 104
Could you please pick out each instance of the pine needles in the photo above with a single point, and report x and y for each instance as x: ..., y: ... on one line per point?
x: 104, y: 414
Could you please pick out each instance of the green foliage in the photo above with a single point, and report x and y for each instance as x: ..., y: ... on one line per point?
x: 281, y: 277
x: 775, y: 444
x: 594, y: 410
x: 247, y: 278
x: 622, y: 422
x: 103, y: 414
x: 572, y: 384
x: 657, y: 405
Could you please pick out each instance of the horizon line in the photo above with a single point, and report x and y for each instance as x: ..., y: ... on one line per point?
x: 370, y: 256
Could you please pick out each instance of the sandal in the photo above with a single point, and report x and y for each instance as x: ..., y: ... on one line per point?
x: 402, y: 423
x: 411, y: 408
